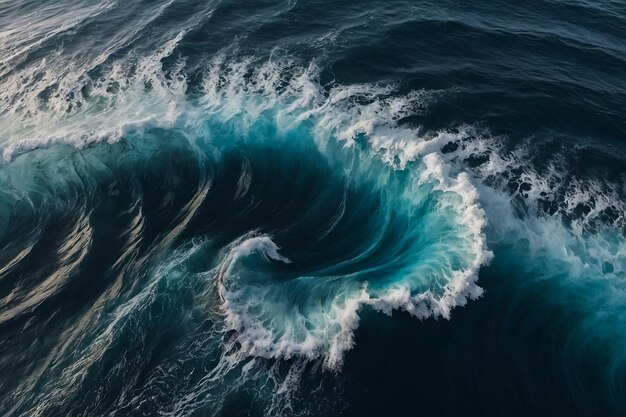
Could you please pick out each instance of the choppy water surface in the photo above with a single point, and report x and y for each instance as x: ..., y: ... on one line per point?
x: 312, y: 208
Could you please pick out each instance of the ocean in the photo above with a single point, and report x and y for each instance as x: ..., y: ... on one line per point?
x: 312, y: 208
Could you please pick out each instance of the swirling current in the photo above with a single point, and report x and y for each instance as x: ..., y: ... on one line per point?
x: 316, y: 208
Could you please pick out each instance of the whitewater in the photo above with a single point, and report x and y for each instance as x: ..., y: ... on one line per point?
x: 197, y: 221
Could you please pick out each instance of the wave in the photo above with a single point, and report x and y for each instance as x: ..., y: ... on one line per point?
x: 258, y: 213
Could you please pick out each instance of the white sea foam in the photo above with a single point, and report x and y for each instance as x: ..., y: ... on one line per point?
x: 332, y: 329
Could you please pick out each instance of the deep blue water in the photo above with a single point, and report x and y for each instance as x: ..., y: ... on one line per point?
x: 219, y: 208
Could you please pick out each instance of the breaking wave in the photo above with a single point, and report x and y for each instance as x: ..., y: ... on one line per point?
x: 243, y: 219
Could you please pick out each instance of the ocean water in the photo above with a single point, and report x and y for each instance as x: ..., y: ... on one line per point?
x: 312, y: 208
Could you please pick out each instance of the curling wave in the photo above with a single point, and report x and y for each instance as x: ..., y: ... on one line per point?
x: 244, y: 219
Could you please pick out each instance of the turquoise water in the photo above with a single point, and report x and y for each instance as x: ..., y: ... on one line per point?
x: 309, y: 208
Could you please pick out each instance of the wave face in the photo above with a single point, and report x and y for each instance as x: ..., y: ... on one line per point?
x: 211, y: 208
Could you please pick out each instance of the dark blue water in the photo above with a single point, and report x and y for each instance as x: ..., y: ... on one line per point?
x: 312, y: 208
